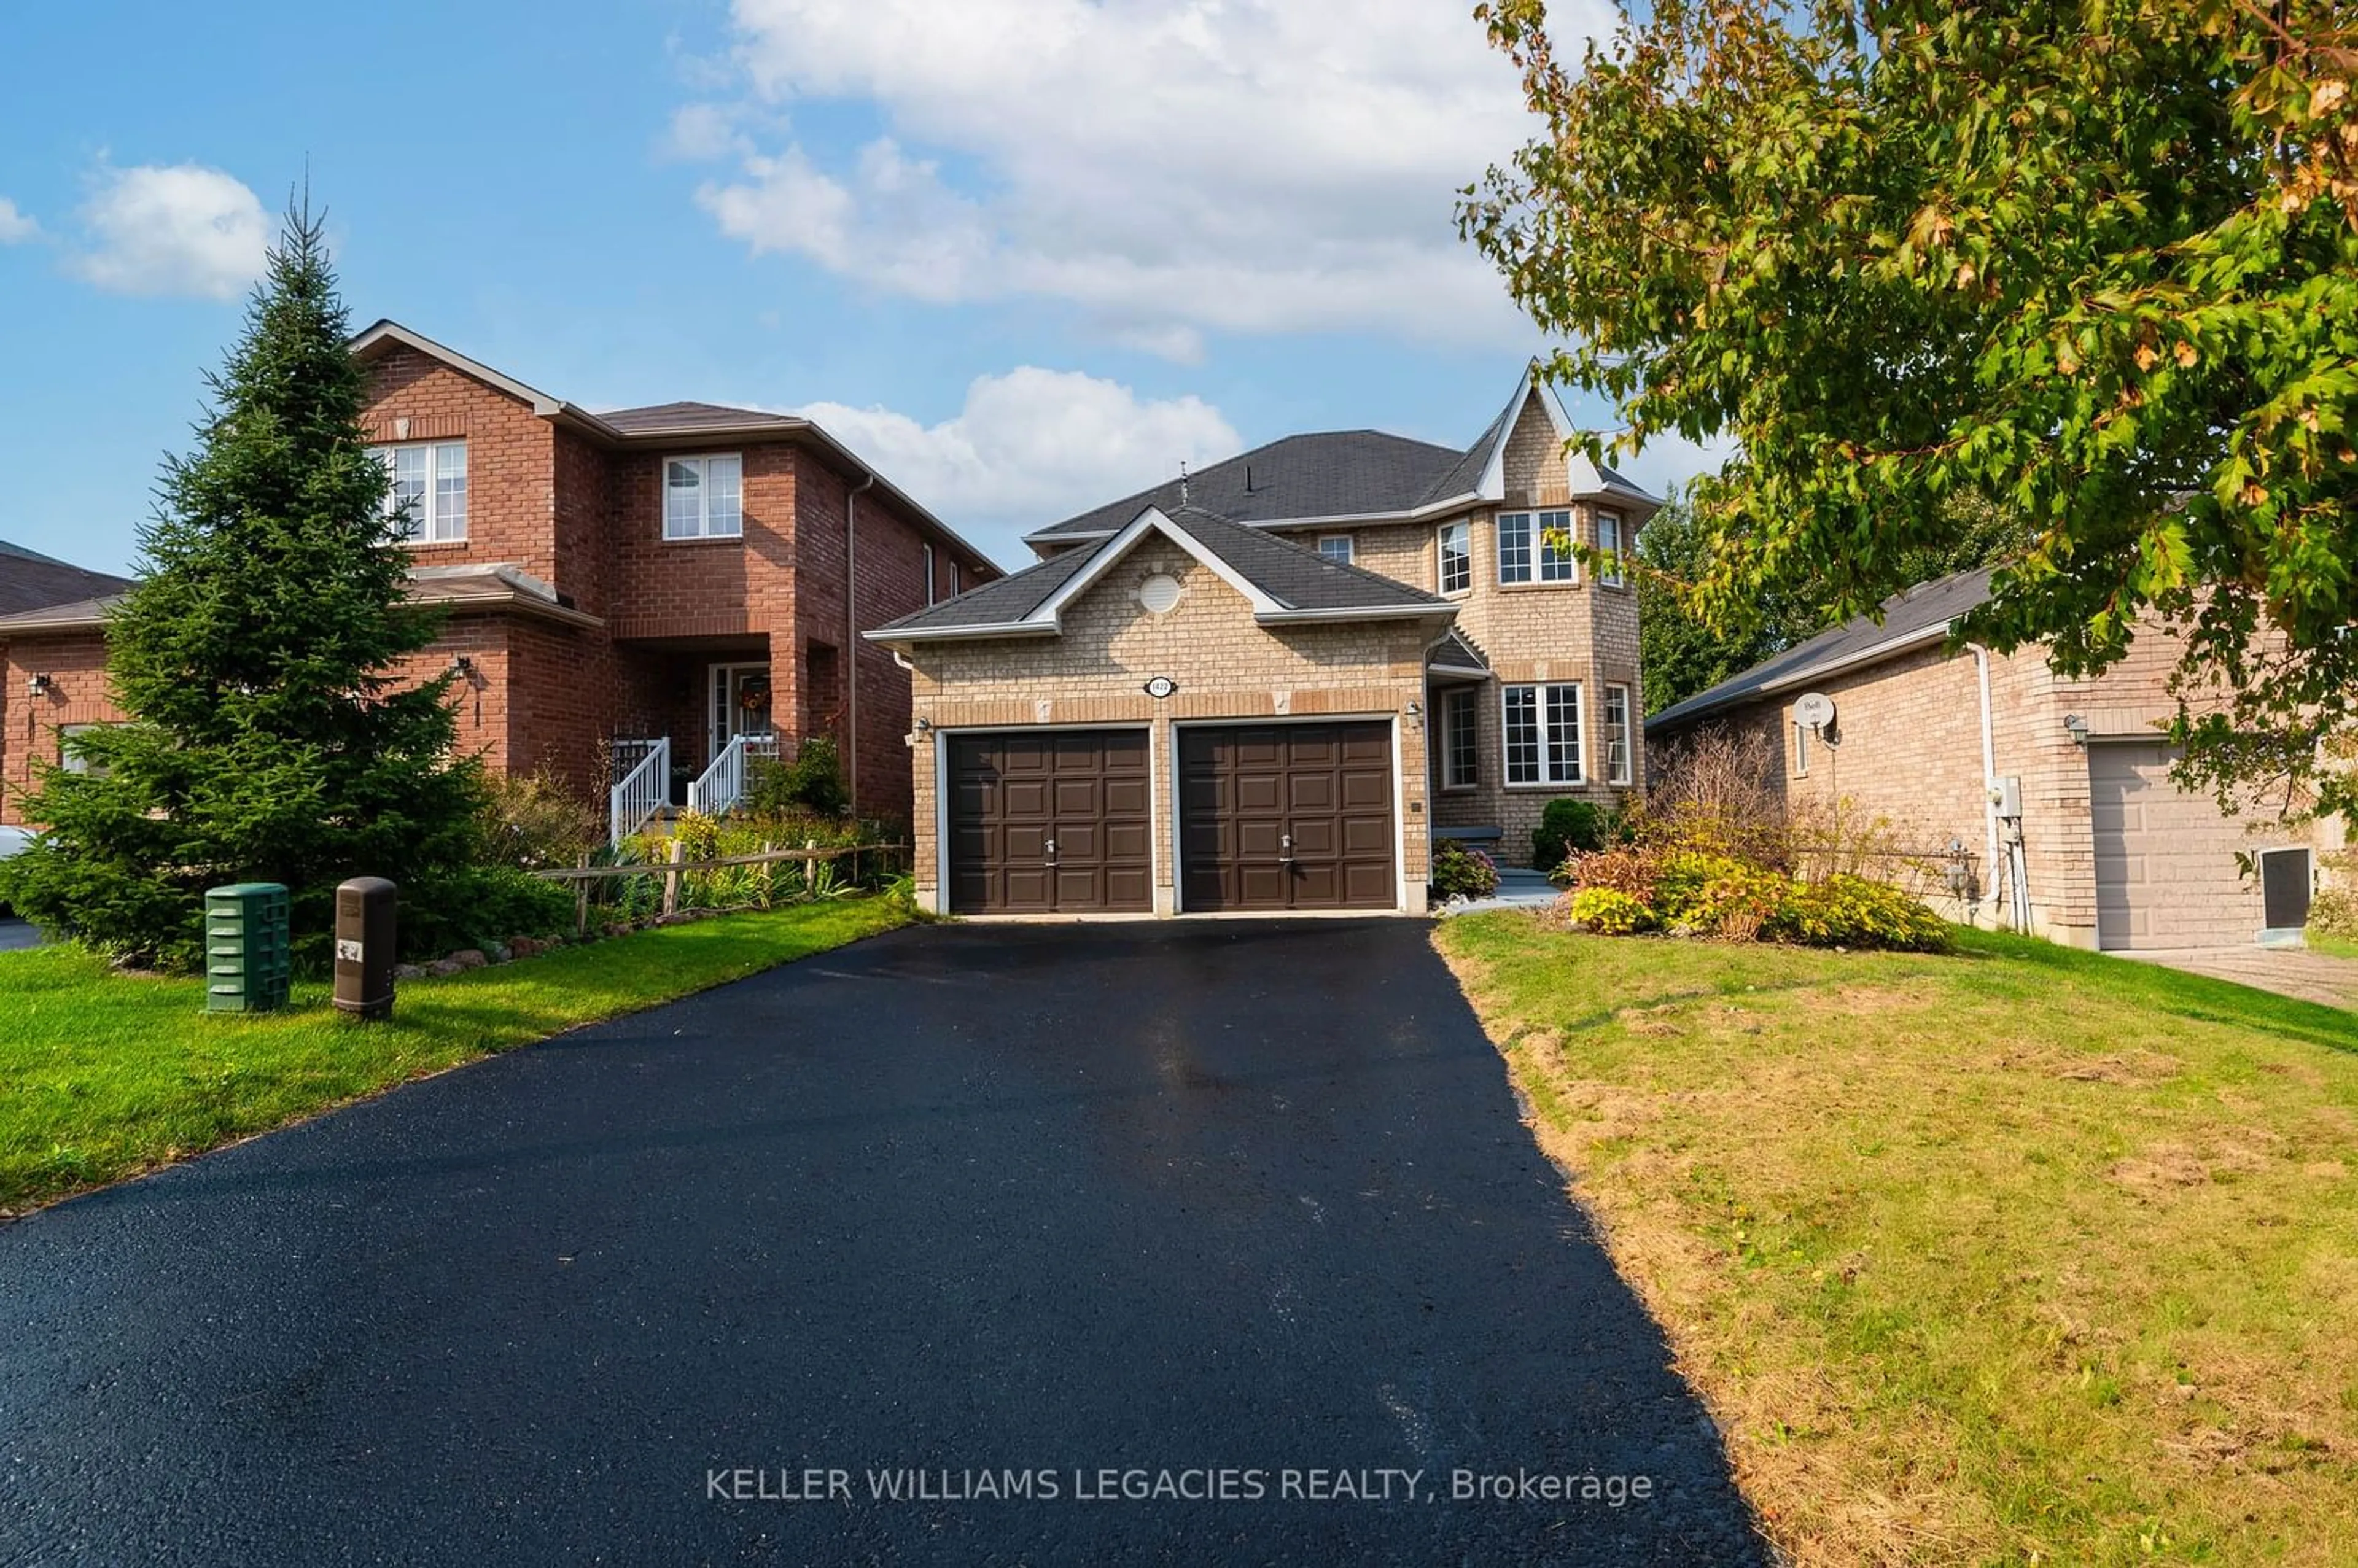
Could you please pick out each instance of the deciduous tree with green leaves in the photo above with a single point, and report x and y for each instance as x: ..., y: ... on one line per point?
x: 2097, y: 261
x: 271, y: 736
x: 1684, y: 652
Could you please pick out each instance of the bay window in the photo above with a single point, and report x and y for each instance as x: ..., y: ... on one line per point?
x: 1536, y: 547
x: 1543, y: 734
x: 1455, y: 543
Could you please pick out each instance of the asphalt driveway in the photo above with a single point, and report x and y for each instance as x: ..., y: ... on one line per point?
x: 1199, y: 1208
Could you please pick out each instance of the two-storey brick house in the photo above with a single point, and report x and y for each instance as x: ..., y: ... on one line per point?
x: 1270, y: 684
x: 635, y: 598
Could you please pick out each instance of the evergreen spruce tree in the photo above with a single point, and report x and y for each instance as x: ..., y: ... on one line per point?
x: 274, y: 735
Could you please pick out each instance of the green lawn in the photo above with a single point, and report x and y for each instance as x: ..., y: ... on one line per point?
x: 2023, y: 1255
x: 104, y: 1075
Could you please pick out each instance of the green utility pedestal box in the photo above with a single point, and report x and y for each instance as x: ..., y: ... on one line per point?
x: 246, y: 959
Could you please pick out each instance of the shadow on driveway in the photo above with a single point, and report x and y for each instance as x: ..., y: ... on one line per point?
x: 1043, y: 1200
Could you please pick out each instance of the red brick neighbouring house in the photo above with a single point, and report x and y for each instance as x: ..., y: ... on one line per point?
x: 660, y: 589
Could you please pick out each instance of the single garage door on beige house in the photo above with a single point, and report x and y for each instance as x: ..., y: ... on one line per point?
x: 1286, y: 816
x: 1050, y: 822
x: 2166, y: 874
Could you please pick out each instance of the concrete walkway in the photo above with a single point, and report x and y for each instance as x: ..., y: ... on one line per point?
x: 1518, y: 888
x: 2287, y: 971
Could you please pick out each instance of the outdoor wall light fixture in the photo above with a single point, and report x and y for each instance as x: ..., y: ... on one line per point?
x: 2078, y: 729
x: 925, y: 727
x: 1415, y: 711
x: 464, y: 667
x: 38, y: 686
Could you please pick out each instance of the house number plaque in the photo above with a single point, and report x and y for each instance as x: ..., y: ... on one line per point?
x: 1161, y: 686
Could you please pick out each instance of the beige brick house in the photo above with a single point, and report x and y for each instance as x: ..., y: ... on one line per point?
x: 637, y: 599
x: 1270, y: 685
x: 2048, y: 800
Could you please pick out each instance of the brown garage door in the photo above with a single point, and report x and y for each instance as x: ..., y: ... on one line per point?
x: 1049, y: 821
x: 2166, y: 871
x: 1286, y: 816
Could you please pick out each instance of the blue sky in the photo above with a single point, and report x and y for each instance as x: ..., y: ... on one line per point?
x: 1024, y: 255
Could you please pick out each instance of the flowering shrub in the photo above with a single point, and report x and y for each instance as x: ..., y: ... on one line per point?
x: 1851, y: 911
x: 1703, y: 893
x: 1460, y: 873
x: 1718, y: 895
x: 1609, y: 911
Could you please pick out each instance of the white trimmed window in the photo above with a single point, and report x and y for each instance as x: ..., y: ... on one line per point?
x: 428, y: 492
x: 1616, y: 734
x: 1455, y: 543
x: 1461, y: 744
x: 1800, y: 749
x: 931, y: 597
x: 1534, y: 547
x: 958, y: 580
x: 71, y: 756
x: 704, y: 498
x: 1335, y: 547
x: 1608, y: 544
x: 1543, y: 732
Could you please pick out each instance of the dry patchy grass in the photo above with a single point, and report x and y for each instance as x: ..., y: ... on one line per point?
x: 2018, y: 1256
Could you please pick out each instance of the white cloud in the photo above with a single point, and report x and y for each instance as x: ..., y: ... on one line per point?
x: 16, y: 227
x: 1171, y: 166
x: 1031, y: 446
x: 701, y: 133
x: 183, y: 230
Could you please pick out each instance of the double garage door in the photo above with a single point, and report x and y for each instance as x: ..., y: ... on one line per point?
x: 1276, y: 817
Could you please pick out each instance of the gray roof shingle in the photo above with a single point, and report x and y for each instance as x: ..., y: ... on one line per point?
x: 1457, y: 651
x: 1002, y: 601
x: 1334, y: 473
x: 661, y: 417
x: 1297, y: 579
x: 31, y: 580
x: 1924, y: 608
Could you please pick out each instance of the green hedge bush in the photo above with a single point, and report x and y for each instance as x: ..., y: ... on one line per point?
x: 1569, y: 826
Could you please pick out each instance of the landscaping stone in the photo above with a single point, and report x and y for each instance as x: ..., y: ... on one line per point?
x: 497, y: 952
x: 443, y: 969
x: 409, y: 971
x: 469, y: 959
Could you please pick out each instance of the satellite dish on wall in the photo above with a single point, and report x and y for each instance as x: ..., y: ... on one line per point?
x: 1815, y: 711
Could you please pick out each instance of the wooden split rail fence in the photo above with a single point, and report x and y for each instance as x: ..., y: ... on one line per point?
x: 585, y: 875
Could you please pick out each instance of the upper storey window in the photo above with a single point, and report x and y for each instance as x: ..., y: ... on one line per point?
x: 1608, y: 544
x: 1535, y: 547
x: 1455, y: 541
x: 1335, y: 547
x: 428, y: 492
x: 704, y: 497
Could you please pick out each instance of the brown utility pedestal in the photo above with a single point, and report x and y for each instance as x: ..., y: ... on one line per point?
x: 364, y: 935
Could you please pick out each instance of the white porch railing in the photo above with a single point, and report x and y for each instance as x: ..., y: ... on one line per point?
x: 722, y: 784
x: 643, y: 791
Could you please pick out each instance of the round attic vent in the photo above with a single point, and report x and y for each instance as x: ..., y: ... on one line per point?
x: 1159, y: 593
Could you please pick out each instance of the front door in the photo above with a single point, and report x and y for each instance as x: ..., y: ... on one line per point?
x: 740, y: 704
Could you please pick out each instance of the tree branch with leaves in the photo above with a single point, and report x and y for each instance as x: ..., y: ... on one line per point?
x: 2097, y: 262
